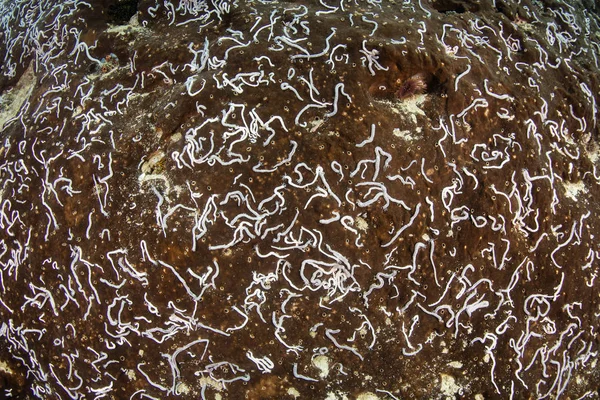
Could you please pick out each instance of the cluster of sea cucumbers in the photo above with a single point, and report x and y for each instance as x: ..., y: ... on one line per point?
x: 323, y: 199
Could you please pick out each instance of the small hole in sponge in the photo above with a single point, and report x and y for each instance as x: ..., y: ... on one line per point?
x: 454, y: 6
x: 121, y: 11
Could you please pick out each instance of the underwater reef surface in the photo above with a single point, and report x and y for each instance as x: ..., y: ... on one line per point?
x: 316, y: 200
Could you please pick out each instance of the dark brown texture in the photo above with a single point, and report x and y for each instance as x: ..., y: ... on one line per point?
x: 355, y: 199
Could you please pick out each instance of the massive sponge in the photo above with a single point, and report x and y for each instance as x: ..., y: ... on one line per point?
x: 316, y: 200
